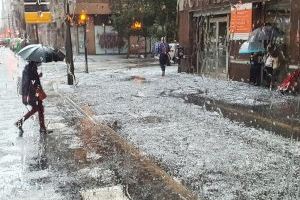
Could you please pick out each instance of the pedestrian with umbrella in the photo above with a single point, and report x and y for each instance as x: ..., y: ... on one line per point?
x: 255, y: 49
x: 31, y: 90
x: 255, y: 45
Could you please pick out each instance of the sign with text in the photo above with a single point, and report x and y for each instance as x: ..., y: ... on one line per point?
x: 37, y: 12
x: 241, y: 19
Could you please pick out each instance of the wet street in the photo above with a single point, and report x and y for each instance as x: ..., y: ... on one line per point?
x: 123, y: 132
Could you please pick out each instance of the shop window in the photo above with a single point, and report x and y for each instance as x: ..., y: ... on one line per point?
x: 278, y: 15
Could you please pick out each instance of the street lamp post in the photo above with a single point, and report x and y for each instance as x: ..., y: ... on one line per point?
x: 37, y: 34
x: 85, y: 50
x: 83, y: 19
x: 68, y: 46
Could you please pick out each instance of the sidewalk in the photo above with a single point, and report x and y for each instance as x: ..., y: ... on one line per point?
x: 215, y: 157
x: 20, y: 158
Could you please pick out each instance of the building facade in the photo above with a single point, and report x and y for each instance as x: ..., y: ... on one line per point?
x: 101, y: 37
x: 212, y: 31
x: 99, y: 29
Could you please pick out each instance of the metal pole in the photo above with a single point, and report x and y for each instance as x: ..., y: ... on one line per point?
x: 85, y: 49
x: 9, y: 28
x: 298, y: 40
x: 68, y: 47
x: 37, y: 34
x: 105, y: 42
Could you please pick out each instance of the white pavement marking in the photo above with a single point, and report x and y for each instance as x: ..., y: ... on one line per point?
x: 108, y: 193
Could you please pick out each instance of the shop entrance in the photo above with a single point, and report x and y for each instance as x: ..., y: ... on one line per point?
x: 211, y: 46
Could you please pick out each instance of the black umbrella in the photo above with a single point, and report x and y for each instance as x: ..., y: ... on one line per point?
x: 58, y: 55
x: 40, y: 53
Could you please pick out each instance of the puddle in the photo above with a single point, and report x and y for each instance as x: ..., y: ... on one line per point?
x: 107, y: 193
x: 136, y: 79
x: 151, y: 119
x: 80, y: 155
x: 56, y: 126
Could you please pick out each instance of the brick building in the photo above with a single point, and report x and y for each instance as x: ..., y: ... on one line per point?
x: 101, y: 37
x: 98, y: 28
x: 211, y: 44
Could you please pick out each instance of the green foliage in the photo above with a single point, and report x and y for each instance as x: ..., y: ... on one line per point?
x: 157, y: 16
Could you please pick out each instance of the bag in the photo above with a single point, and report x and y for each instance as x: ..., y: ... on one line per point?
x: 275, y: 63
x: 41, y: 95
x: 269, y: 61
x: 25, y: 100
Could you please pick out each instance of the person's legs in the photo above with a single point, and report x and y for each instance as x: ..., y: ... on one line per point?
x: 268, y: 75
x: 33, y: 110
x: 256, y: 78
x: 20, y: 122
x: 274, y: 78
x: 41, y: 116
x: 163, y: 61
x: 163, y: 68
x: 252, y: 74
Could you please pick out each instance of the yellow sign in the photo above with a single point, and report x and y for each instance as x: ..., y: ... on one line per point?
x: 38, y: 17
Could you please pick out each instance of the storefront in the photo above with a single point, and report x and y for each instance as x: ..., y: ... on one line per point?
x: 212, y: 33
x: 276, y: 13
x: 206, y: 45
x: 210, y: 43
x: 101, y: 37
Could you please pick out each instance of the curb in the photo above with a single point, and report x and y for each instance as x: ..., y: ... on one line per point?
x: 249, y: 117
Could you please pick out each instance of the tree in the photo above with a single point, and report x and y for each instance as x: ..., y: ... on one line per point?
x: 165, y: 20
x: 122, y: 18
x: 158, y: 18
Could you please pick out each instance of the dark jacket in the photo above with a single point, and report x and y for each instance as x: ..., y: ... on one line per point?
x: 164, y: 49
x: 30, y: 82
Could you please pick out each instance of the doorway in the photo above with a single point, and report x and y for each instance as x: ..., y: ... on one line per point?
x: 212, y: 51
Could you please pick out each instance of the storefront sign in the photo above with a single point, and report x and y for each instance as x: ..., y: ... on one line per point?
x: 241, y: 21
x: 188, y: 4
x: 38, y: 17
x: 37, y: 12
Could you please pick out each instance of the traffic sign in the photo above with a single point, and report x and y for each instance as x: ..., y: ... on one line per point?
x: 38, y: 17
x: 37, y: 12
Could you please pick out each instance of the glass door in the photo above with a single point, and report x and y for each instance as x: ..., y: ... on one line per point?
x: 212, y: 57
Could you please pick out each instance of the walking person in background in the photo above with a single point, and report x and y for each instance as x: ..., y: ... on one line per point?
x: 163, y: 55
x: 33, y: 95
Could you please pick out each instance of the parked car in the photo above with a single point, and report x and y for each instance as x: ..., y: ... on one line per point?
x: 4, y: 42
x: 173, y: 50
x: 16, y: 44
